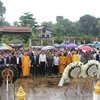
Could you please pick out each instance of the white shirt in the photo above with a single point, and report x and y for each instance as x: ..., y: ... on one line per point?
x: 56, y: 60
x: 17, y: 60
x: 42, y: 58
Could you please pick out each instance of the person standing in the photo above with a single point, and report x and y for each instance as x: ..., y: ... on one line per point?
x: 18, y: 63
x: 9, y: 59
x: 75, y: 57
x: 84, y: 58
x: 35, y: 63
x: 1, y: 60
x: 55, y: 64
x: 42, y: 62
x: 62, y: 63
x: 49, y: 63
x: 26, y: 65
x: 68, y: 58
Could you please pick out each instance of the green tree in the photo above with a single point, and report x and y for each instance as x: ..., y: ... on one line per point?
x: 65, y: 27
x: 16, y: 23
x: 27, y: 20
x: 87, y: 25
x: 2, y: 11
x: 87, y: 38
x: 48, y: 25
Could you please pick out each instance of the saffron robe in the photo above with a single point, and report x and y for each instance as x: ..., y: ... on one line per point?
x: 68, y: 59
x: 62, y: 64
x: 26, y: 65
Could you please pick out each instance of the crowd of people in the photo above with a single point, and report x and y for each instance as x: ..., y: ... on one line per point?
x: 46, y: 62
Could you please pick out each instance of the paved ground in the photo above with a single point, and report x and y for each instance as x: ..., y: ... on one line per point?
x: 47, y: 89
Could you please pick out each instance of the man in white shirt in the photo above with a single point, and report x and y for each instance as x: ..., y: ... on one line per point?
x: 56, y: 64
x: 42, y: 62
x: 18, y: 63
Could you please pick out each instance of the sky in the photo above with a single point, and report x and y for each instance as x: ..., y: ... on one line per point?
x: 47, y: 10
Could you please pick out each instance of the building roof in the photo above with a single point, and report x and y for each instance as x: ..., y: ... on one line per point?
x: 40, y: 27
x: 49, y: 32
x: 15, y: 29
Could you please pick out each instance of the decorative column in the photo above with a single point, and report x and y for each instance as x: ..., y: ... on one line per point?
x: 20, y: 95
x: 30, y: 44
x: 41, y: 42
x: 52, y: 41
x: 96, y: 93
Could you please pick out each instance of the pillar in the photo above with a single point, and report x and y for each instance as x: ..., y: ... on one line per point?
x: 41, y: 42
x: 52, y: 41
x: 30, y: 44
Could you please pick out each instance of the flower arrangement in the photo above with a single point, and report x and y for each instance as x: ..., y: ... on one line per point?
x: 92, y: 68
x: 73, y: 70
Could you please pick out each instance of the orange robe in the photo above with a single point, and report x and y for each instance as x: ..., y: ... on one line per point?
x: 26, y: 65
x: 68, y: 59
x: 62, y: 64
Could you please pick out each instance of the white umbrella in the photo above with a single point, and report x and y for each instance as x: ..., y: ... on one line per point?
x: 56, y: 45
x: 48, y: 48
x: 4, y: 48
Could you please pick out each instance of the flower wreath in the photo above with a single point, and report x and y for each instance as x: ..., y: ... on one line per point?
x: 73, y: 70
x: 91, y: 69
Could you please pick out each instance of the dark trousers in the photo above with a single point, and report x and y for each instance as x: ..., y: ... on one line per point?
x: 49, y: 70
x: 42, y: 68
x: 34, y: 70
x: 19, y: 69
x: 55, y: 69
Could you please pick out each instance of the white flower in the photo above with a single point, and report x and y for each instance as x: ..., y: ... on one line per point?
x: 91, y: 68
x: 71, y: 71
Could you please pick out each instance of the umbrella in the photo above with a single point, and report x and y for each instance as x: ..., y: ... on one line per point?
x: 62, y: 45
x: 79, y: 47
x: 6, y: 48
x: 56, y: 45
x: 48, y: 48
x: 3, y: 44
x: 91, y: 45
x: 86, y: 48
x: 71, y: 45
x: 98, y: 45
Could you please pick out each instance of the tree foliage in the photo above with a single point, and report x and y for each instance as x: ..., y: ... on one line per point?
x: 27, y: 20
x: 2, y: 11
x: 87, y: 25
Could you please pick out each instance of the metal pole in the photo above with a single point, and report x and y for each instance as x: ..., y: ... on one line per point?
x: 7, y: 87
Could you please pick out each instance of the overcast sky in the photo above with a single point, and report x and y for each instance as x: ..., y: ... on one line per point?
x: 47, y: 10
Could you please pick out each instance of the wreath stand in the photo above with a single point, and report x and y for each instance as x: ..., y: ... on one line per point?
x: 7, y: 76
x: 76, y: 92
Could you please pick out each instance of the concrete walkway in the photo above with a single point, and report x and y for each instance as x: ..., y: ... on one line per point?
x: 46, y: 89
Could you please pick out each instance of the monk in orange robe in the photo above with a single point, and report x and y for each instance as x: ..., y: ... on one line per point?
x: 62, y: 63
x: 68, y: 58
x: 26, y: 65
